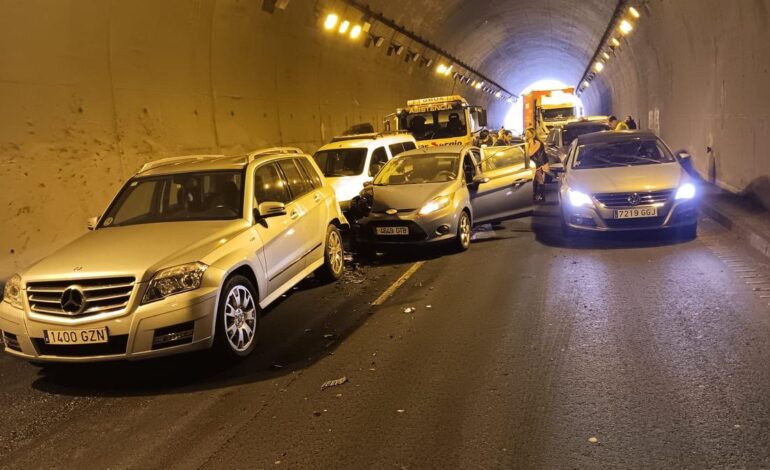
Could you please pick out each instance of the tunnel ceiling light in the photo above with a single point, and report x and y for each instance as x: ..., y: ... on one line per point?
x: 355, y: 32
x: 598, y: 66
x: 366, y: 26
x: 634, y: 12
x: 398, y: 49
x: 499, y: 94
x: 448, y: 70
x: 479, y: 85
x: 614, y: 42
x: 625, y: 27
x: 606, y: 56
x: 510, y: 100
x: 586, y: 84
x: 344, y: 26
x: 440, y: 68
x: 378, y: 40
x: 331, y: 21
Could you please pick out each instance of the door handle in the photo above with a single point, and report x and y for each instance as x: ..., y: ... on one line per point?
x: 294, y: 214
x: 317, y: 197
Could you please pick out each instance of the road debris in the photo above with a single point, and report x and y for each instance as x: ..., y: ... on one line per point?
x: 333, y: 383
x: 409, y: 310
x: 593, y: 440
x: 329, y: 336
x: 400, y: 411
x: 317, y: 413
x: 429, y: 306
x: 277, y: 366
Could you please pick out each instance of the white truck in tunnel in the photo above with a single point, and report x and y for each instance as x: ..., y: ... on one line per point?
x: 442, y: 120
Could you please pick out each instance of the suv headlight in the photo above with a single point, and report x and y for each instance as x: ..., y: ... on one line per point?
x: 176, y: 280
x: 12, y: 291
x: 435, y: 205
x: 686, y: 191
x: 578, y: 199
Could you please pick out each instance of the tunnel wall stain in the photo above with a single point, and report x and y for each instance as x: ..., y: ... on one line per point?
x: 697, y: 71
x: 92, y: 89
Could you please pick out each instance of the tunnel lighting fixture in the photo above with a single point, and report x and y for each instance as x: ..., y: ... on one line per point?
x: 344, y: 26
x: 479, y: 85
x: 598, y: 66
x: 448, y: 70
x: 510, y: 100
x: 606, y: 56
x: 355, y: 32
x: 366, y: 26
x: 625, y: 27
x: 634, y: 12
x: 415, y: 56
x: 614, y: 42
x: 441, y: 68
x: 586, y: 84
x: 499, y: 94
x: 398, y: 49
x: 331, y: 21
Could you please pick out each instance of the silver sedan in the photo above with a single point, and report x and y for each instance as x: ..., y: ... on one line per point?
x: 437, y: 194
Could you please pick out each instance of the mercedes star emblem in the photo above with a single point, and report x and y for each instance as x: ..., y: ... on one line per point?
x: 634, y: 199
x: 72, y: 300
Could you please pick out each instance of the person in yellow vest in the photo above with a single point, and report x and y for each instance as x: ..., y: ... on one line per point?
x: 616, y: 125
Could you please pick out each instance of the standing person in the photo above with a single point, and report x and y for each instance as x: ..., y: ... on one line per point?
x: 630, y: 122
x: 505, y: 140
x: 616, y: 125
x: 485, y: 138
x: 536, y: 153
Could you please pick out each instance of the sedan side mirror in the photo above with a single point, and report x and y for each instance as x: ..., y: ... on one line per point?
x: 269, y: 209
x: 479, y: 179
x: 683, y: 156
x: 92, y: 222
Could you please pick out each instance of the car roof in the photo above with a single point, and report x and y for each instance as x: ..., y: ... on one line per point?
x: 438, y: 150
x: 197, y: 163
x: 367, y: 141
x: 579, y: 124
x: 614, y: 136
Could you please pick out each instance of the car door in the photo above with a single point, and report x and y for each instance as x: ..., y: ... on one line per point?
x: 282, y: 238
x: 307, y: 208
x: 506, y: 189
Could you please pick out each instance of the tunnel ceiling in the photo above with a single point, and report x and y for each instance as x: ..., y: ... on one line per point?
x: 514, y: 42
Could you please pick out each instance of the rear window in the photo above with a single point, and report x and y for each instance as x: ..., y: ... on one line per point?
x: 341, y: 162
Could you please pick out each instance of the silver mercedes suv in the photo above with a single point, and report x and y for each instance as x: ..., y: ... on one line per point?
x: 184, y: 258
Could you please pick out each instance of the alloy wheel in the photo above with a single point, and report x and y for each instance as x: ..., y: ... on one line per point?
x: 335, y: 252
x: 240, y: 318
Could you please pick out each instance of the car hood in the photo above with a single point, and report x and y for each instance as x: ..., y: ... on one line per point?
x: 137, y: 250
x: 627, y: 178
x: 347, y: 187
x: 407, y: 196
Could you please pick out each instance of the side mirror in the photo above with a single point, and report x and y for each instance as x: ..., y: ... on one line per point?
x: 479, y: 179
x: 367, y: 184
x: 269, y: 209
x: 482, y: 117
x: 683, y: 156
x: 92, y: 222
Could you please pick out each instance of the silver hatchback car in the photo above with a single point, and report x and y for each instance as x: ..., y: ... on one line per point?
x: 437, y: 194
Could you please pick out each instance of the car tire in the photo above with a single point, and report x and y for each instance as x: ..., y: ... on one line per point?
x: 334, y: 256
x: 237, y: 320
x: 462, y: 239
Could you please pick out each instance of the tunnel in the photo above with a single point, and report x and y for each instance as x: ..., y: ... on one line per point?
x: 620, y: 327
x: 92, y: 90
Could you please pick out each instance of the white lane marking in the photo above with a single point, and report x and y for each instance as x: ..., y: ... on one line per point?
x: 399, y: 282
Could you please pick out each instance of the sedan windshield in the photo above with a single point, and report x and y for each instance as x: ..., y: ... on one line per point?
x: 437, y: 124
x: 630, y: 152
x: 341, y: 162
x: 216, y: 195
x: 417, y: 169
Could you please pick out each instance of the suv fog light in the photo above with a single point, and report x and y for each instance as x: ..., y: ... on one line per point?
x: 173, y: 335
x: 442, y: 230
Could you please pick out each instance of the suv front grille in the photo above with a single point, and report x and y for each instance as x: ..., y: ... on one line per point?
x: 84, y: 296
x: 622, y: 199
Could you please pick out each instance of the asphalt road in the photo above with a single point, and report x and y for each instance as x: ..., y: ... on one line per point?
x: 517, y: 354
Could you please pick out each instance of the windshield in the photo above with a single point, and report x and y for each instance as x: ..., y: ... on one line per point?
x: 417, y: 169
x: 341, y: 162
x: 214, y: 195
x: 437, y: 124
x: 573, y: 133
x: 558, y: 114
x: 622, y: 153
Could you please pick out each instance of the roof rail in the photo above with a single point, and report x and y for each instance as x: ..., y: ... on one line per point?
x: 177, y: 160
x: 274, y: 151
x: 370, y: 135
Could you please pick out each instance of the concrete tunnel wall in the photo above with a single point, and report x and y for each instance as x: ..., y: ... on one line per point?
x: 697, y: 72
x: 92, y: 89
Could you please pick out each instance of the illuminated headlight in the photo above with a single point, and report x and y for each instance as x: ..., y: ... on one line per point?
x: 686, y: 191
x: 578, y: 199
x: 174, y: 280
x: 435, y: 205
x: 12, y: 291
